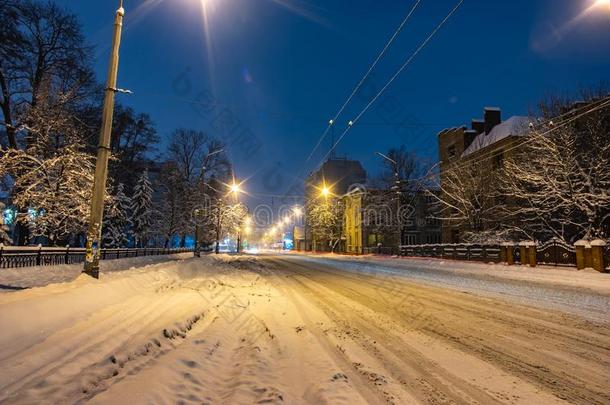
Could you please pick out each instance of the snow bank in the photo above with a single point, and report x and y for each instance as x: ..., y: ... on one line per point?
x: 15, y: 279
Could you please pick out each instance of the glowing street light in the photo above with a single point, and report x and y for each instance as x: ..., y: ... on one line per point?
x: 602, y: 4
x: 235, y: 188
x: 325, y: 191
x: 297, y: 211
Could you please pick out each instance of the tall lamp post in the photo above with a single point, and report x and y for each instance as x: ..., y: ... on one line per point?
x: 396, y: 187
x: 297, y: 212
x: 199, y: 213
x: 94, y: 233
x: 234, y: 189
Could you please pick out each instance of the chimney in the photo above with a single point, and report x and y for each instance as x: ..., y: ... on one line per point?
x: 478, y: 126
x: 493, y: 117
x: 469, y: 136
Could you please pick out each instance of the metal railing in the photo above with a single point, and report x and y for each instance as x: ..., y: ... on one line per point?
x: 381, y: 250
x: 556, y: 253
x: 27, y: 256
x: 473, y: 252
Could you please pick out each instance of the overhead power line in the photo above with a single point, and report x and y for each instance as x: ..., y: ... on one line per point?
x: 366, y: 75
x: 402, y: 68
x: 548, y: 125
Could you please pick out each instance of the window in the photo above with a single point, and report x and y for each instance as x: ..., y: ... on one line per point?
x: 410, y: 239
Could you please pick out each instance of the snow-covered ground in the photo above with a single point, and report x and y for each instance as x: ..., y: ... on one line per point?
x: 26, y: 277
x: 585, y: 292
x: 296, y: 329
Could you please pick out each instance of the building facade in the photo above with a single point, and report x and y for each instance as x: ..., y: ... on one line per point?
x: 473, y: 155
x: 370, y: 221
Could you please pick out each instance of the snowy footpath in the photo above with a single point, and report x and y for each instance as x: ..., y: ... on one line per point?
x: 303, y: 329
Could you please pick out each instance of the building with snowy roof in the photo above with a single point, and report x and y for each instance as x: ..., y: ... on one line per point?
x: 484, y: 145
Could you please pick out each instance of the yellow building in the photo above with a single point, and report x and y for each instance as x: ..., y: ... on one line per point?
x: 352, y: 223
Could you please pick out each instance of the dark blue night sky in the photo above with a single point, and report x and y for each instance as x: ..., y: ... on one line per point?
x: 279, y: 69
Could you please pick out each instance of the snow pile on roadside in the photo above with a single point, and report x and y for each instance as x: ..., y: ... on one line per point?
x: 27, y: 277
x: 207, y: 328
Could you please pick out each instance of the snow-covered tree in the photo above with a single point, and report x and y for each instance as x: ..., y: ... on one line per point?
x: 168, y: 218
x: 142, y: 209
x: 196, y: 159
x: 469, y: 198
x: 55, y: 187
x: 560, y: 180
x: 43, y: 54
x: 117, y: 223
x: 325, y: 218
x: 4, y: 238
x: 233, y: 216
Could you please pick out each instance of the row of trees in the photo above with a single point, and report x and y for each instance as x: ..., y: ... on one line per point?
x: 555, y: 184
x: 50, y: 105
x: 46, y: 88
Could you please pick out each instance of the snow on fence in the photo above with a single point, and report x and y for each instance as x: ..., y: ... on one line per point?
x: 27, y: 256
x: 553, y: 252
x: 483, y: 253
x: 556, y: 253
x: 380, y: 250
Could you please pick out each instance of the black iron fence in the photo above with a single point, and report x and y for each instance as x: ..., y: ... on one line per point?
x: 26, y: 256
x: 553, y: 252
x: 380, y: 250
x: 482, y: 253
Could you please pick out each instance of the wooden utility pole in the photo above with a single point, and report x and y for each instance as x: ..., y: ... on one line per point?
x: 94, y: 235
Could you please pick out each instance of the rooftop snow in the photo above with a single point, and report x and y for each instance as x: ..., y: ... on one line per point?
x: 514, y: 126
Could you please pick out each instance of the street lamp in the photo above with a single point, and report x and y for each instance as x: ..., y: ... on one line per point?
x: 234, y: 189
x: 199, y: 213
x: 602, y: 3
x: 94, y: 234
x: 246, y: 228
x: 397, y: 182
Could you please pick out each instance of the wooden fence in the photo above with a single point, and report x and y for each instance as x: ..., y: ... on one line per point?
x: 26, y: 256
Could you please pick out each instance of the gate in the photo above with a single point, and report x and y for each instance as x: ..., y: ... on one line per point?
x: 556, y: 253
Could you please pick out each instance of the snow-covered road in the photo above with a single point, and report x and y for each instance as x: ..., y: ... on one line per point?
x: 304, y: 329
